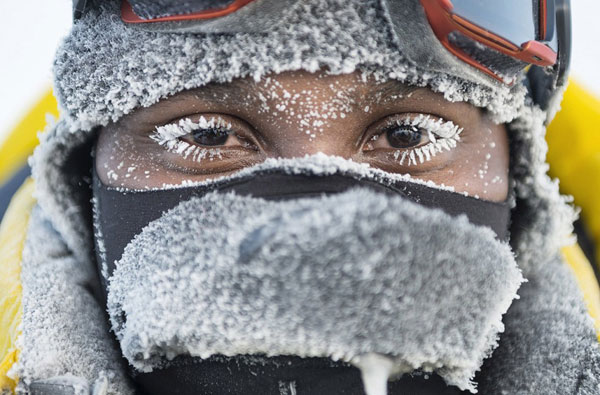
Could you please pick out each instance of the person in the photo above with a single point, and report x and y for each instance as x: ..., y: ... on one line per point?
x: 299, y: 197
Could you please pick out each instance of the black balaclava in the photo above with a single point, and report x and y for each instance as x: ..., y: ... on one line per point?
x: 123, y: 214
x: 222, y: 233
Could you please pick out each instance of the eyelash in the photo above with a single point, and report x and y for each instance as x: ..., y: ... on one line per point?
x: 443, y: 135
x: 168, y: 136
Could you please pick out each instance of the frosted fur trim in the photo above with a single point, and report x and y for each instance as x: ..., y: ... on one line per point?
x: 61, y: 186
x: 548, y: 316
x: 254, y: 284
x: 64, y: 329
x: 543, y: 220
x: 105, y: 69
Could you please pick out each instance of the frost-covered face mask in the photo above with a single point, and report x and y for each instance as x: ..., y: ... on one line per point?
x: 281, y: 277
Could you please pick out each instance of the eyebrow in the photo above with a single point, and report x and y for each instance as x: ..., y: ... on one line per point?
x: 239, y: 92
x: 214, y: 93
x: 390, y: 90
x: 244, y: 92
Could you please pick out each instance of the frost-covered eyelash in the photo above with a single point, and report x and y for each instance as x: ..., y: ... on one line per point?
x: 168, y: 136
x: 443, y: 135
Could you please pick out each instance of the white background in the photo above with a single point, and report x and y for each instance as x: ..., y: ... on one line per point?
x: 30, y: 31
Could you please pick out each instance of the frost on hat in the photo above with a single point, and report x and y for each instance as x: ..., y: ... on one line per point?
x: 106, y: 69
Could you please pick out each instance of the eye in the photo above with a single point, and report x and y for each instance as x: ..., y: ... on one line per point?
x: 398, y: 136
x: 403, y: 136
x: 210, y: 137
x: 412, y: 140
x: 214, y: 137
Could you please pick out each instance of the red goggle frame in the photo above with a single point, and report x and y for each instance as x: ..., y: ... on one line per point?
x: 129, y: 16
x: 508, y: 27
x: 444, y: 21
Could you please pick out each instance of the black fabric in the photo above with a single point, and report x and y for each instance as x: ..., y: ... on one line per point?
x: 8, y: 189
x: 284, y: 375
x: 122, y: 215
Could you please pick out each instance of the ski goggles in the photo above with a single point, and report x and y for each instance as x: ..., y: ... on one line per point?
x: 499, y: 39
x: 519, y: 29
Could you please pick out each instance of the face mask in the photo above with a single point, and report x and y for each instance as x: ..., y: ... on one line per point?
x: 288, y: 279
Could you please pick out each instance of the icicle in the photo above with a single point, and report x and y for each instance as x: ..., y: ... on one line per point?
x: 287, y: 388
x: 375, y: 371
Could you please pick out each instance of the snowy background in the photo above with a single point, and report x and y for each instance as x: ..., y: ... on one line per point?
x: 31, y: 30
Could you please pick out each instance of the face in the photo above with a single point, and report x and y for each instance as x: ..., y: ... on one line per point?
x: 217, y: 130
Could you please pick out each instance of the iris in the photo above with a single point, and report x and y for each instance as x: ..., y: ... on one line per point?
x: 403, y: 136
x: 210, y: 136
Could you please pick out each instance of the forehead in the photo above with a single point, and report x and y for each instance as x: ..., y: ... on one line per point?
x: 319, y: 85
x: 299, y: 97
x: 300, y: 89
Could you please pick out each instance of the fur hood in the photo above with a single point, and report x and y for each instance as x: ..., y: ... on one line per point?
x: 104, y: 70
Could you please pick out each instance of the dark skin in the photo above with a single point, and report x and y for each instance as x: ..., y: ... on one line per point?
x: 294, y: 114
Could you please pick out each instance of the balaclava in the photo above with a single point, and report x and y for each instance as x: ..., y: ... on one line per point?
x: 221, y: 282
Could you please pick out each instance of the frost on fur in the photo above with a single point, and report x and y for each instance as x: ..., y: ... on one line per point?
x: 260, y: 259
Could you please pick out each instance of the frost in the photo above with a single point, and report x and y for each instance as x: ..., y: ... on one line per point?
x: 65, y: 338
x: 552, y: 226
x: 375, y: 371
x: 99, y: 239
x: 251, y: 284
x: 443, y: 136
x: 145, y: 66
x: 169, y: 135
x: 287, y: 388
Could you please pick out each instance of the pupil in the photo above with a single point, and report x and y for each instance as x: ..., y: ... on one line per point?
x: 210, y: 136
x: 403, y: 136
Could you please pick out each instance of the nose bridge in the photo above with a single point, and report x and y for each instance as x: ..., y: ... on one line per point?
x: 311, y: 115
x: 300, y: 133
x: 329, y: 143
